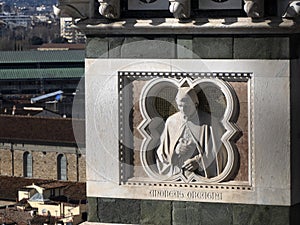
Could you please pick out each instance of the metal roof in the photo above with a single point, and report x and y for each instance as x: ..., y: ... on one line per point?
x: 52, y: 73
x: 42, y: 56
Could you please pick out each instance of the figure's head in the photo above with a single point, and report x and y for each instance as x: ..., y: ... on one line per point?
x: 187, y: 101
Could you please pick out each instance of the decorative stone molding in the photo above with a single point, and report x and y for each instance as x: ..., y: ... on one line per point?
x: 181, y: 9
x: 254, y: 8
x: 293, y: 10
x: 109, y: 8
x: 77, y: 9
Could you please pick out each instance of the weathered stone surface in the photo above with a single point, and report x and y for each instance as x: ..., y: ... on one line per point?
x: 260, y: 215
x: 201, y: 213
x: 185, y: 47
x: 97, y: 48
x: 156, y: 212
x: 114, y: 46
x: 119, y: 210
x: 44, y: 161
x: 261, y: 48
x: 138, y: 47
x: 213, y: 47
x: 92, y: 209
x: 178, y: 213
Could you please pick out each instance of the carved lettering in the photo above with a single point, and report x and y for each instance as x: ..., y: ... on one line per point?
x: 167, y: 194
x: 192, y: 195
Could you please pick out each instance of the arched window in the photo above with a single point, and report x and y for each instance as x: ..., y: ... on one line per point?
x: 61, y: 167
x: 27, y: 164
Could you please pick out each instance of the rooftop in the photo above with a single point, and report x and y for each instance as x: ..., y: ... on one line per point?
x: 43, y: 73
x: 25, y: 129
x: 11, y: 185
x: 42, y: 56
x: 53, y: 73
x: 60, y: 46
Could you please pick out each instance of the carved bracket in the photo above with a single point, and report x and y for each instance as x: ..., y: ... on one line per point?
x: 181, y: 9
x: 77, y: 9
x: 293, y: 10
x: 254, y: 8
x: 109, y: 8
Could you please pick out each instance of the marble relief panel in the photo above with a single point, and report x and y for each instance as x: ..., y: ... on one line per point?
x: 185, y: 129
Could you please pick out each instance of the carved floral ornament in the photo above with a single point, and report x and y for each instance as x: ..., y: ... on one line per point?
x: 181, y: 9
x: 193, y: 146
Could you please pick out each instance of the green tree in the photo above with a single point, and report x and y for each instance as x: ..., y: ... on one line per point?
x: 35, y: 40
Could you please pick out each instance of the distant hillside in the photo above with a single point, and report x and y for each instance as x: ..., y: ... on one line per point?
x: 30, y: 2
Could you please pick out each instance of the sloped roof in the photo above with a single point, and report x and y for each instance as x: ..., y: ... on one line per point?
x: 11, y: 185
x: 60, y: 46
x: 42, y: 56
x: 76, y: 191
x: 9, y: 74
x: 41, y: 130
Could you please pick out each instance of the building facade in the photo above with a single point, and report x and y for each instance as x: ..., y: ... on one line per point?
x: 43, y: 148
x: 29, y: 74
x: 68, y: 31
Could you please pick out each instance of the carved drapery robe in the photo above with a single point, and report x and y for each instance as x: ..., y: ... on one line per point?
x: 203, y: 143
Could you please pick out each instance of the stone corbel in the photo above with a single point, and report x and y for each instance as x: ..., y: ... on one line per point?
x: 181, y: 9
x: 293, y: 9
x: 254, y: 8
x: 109, y: 8
x: 77, y: 9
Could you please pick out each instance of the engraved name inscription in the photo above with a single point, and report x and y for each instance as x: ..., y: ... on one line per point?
x: 179, y: 194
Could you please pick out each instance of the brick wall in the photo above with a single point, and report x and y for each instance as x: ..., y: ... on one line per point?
x: 44, y: 164
x: 44, y: 161
x: 5, y: 161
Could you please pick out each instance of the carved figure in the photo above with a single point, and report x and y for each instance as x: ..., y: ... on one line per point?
x: 254, y: 8
x: 188, y: 144
x: 293, y: 9
x: 109, y: 8
x: 181, y: 9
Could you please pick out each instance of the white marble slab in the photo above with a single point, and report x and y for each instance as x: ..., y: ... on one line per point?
x: 269, y: 116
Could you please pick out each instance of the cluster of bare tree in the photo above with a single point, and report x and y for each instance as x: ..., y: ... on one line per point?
x: 21, y: 38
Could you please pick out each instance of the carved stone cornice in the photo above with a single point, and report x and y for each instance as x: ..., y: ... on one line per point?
x: 109, y: 8
x: 242, y: 25
x: 181, y: 9
x: 254, y: 8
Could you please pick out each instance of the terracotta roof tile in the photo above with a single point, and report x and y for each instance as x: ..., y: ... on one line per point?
x: 11, y: 185
x: 14, y: 216
x: 41, y: 130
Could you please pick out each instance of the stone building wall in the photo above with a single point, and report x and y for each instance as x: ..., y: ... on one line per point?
x: 82, y: 166
x: 44, y: 161
x: 72, y: 165
x: 5, y: 161
x: 224, y: 47
x: 18, y: 162
x: 264, y: 47
x: 44, y: 164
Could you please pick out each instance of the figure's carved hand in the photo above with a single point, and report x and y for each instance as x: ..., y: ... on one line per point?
x: 191, y: 164
x: 184, y: 146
